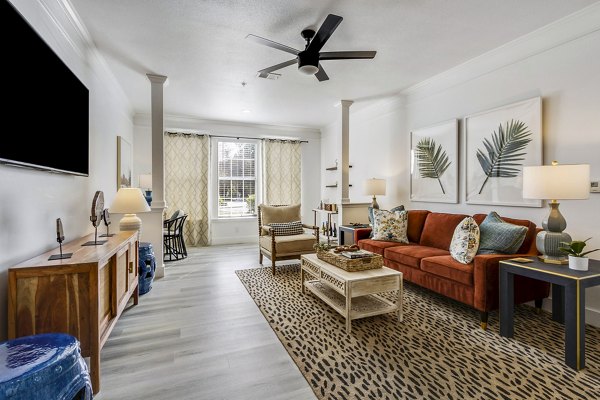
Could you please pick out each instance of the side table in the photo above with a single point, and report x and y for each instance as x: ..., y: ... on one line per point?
x: 568, y: 300
x: 350, y: 229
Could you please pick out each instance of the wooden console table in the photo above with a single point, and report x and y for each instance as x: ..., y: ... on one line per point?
x: 83, y: 295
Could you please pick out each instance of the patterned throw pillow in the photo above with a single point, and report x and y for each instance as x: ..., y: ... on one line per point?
x: 497, y: 236
x: 465, y: 241
x: 287, y: 228
x: 390, y: 226
x: 397, y: 208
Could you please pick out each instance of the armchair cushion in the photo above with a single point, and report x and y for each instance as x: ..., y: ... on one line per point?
x: 290, y: 244
x: 280, y: 214
x: 287, y: 228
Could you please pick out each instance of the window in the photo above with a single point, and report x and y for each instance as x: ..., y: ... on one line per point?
x: 237, y: 179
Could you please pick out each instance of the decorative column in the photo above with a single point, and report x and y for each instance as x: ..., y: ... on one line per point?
x: 158, y: 164
x: 346, y: 150
x: 153, y: 221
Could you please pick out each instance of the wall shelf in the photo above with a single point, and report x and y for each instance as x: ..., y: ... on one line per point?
x: 334, y: 186
x: 334, y: 168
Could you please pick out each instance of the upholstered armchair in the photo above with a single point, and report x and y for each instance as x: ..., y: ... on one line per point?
x: 282, y: 236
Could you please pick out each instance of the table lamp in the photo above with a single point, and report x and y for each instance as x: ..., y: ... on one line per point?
x: 146, y: 185
x: 129, y: 201
x: 374, y: 187
x: 555, y: 182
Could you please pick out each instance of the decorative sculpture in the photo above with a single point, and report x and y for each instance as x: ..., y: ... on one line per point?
x: 96, y: 217
x: 106, y: 218
x: 60, y: 237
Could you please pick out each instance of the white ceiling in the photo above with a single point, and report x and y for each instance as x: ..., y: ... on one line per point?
x: 201, y: 47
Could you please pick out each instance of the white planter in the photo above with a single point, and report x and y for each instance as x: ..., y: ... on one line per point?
x: 578, y: 263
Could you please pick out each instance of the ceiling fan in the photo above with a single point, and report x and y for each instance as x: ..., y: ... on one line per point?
x: 309, y: 59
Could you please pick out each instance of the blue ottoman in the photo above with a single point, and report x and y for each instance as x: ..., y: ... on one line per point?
x: 44, y: 366
x: 147, y: 267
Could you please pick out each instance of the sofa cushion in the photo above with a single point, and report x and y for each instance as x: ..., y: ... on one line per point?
x: 439, y: 229
x: 286, y: 228
x: 291, y: 244
x: 498, y: 236
x: 377, y: 246
x: 416, y: 220
x: 531, y: 230
x: 411, y: 255
x: 371, y: 219
x: 390, y: 226
x: 449, y: 268
x: 270, y: 214
x: 465, y: 241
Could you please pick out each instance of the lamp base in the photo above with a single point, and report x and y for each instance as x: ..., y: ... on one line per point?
x: 130, y: 222
x: 374, y: 203
x: 548, y: 242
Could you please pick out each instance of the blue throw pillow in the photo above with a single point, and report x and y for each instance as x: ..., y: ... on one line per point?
x: 498, y: 236
x: 371, y: 218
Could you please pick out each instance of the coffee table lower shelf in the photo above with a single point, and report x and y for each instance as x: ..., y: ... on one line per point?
x: 360, y: 307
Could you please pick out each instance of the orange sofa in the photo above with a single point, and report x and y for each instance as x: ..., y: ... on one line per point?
x: 427, y: 262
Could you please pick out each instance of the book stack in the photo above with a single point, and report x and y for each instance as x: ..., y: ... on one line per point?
x: 356, y: 254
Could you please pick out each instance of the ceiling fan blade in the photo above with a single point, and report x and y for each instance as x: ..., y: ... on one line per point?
x: 321, y: 75
x: 325, y: 31
x: 263, y: 73
x: 347, y: 55
x: 272, y: 44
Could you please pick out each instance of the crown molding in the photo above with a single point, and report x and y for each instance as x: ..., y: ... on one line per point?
x: 195, y: 124
x: 572, y: 27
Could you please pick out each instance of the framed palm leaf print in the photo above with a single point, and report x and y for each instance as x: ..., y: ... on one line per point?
x: 434, y: 163
x: 498, y: 144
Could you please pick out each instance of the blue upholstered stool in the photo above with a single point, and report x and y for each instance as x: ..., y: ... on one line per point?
x: 46, y: 366
x: 147, y: 267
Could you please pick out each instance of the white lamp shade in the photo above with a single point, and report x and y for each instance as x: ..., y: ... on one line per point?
x: 374, y: 187
x: 146, y: 181
x: 129, y: 201
x: 557, y: 182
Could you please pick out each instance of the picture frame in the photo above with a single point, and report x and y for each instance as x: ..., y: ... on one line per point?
x: 124, y: 163
x: 434, y: 163
x: 498, y: 143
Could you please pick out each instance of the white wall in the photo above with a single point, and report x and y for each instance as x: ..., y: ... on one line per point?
x: 239, y: 230
x: 30, y: 201
x: 560, y: 63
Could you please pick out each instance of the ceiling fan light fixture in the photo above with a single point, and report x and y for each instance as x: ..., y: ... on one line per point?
x: 308, y: 69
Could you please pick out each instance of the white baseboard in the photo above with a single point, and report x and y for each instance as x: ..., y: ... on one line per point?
x: 235, y: 240
x: 592, y: 315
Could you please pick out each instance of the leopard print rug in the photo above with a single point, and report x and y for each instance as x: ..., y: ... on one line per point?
x: 438, y: 352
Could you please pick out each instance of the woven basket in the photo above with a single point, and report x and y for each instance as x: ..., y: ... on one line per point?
x: 350, y: 264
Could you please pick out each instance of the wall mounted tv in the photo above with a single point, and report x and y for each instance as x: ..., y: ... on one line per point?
x: 45, y: 115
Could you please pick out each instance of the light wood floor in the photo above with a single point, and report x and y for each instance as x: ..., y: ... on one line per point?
x: 198, y: 335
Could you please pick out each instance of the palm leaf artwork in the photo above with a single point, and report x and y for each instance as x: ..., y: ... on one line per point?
x: 432, y: 160
x: 504, y: 151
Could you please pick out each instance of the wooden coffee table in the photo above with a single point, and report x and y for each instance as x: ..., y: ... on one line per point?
x: 352, y: 294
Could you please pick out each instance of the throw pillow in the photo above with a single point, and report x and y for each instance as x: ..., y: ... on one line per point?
x: 397, y: 208
x: 287, y: 228
x: 465, y: 241
x: 498, y: 236
x: 390, y: 226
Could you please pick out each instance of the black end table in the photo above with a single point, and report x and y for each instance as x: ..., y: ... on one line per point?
x: 349, y: 229
x: 568, y: 300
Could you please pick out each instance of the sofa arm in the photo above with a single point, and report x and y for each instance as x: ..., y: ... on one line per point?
x: 486, y: 280
x: 314, y: 228
x: 361, y: 233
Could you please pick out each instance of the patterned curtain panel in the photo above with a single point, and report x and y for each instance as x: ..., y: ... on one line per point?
x: 186, y: 183
x: 282, y: 172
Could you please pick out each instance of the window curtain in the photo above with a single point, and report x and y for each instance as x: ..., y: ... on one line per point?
x: 186, y: 183
x: 282, y: 172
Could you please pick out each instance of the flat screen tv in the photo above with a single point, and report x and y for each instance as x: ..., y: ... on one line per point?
x: 45, y: 112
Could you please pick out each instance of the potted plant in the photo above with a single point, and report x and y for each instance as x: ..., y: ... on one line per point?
x: 577, y: 258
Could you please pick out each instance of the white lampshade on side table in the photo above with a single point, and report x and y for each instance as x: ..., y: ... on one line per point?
x: 129, y: 201
x: 555, y: 182
x: 374, y: 187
